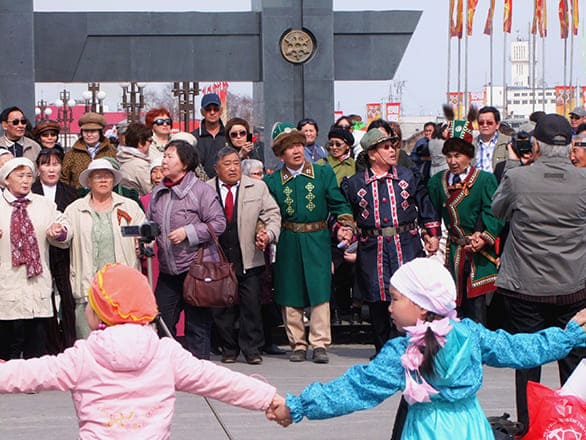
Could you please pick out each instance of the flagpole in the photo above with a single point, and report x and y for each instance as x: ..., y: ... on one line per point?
x: 565, y: 74
x: 505, y: 111
x: 571, y: 60
x: 543, y: 70
x: 459, y: 75
x: 466, y: 58
x: 491, y: 67
x: 449, y: 54
x: 534, y: 70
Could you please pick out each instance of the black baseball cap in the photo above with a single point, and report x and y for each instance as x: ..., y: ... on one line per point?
x: 553, y: 129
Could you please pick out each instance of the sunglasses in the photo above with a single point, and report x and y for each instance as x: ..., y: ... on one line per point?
x: 346, y: 127
x: 162, y: 121
x: 335, y: 143
x: 575, y: 117
x: 18, y: 121
x: 487, y: 123
x: 49, y: 133
x: 235, y: 134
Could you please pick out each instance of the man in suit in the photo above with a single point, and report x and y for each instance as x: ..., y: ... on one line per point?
x: 253, y: 221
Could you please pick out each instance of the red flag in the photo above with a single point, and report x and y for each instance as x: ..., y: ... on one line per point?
x: 543, y: 29
x: 489, y: 16
x: 508, y: 16
x: 539, y: 18
x: 452, y: 29
x: 459, y: 19
x: 470, y: 15
x: 575, y: 17
x: 563, y: 14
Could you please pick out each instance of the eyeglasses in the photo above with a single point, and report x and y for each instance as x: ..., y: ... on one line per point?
x: 487, y: 123
x: 21, y: 121
x: 212, y: 108
x: 162, y: 121
x: 387, y: 145
x: 346, y: 127
x: 257, y: 173
x: 571, y: 117
x: 49, y: 133
x: 235, y: 134
x: 335, y: 144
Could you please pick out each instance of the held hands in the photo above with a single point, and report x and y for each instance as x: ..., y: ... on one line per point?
x: 431, y: 244
x: 177, y: 236
x: 476, y: 243
x: 262, y: 239
x: 279, y: 412
x: 345, y: 233
x: 580, y: 318
x: 53, y: 231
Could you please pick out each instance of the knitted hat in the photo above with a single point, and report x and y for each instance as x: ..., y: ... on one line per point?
x: 341, y: 133
x: 13, y: 164
x: 284, y: 135
x: 372, y: 138
x: 46, y: 125
x: 428, y: 284
x: 92, y: 121
x: 120, y: 294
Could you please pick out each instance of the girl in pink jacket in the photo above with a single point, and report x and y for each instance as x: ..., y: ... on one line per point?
x: 123, y: 378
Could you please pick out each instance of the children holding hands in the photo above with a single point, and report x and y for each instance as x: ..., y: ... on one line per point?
x: 123, y: 378
x: 437, y: 364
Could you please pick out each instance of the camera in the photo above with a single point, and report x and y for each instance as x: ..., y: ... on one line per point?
x: 521, y: 143
x: 147, y: 231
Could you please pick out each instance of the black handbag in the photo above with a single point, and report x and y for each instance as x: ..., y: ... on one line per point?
x: 211, y: 284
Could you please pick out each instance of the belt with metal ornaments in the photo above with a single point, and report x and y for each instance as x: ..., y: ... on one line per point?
x: 305, y: 227
x: 464, y: 241
x: 388, y: 231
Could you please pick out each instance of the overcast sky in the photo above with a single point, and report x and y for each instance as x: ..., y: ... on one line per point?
x: 424, y: 65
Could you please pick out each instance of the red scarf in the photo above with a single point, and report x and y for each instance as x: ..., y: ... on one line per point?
x: 169, y: 183
x: 23, y: 241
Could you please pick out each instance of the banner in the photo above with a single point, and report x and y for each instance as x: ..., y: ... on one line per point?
x: 470, y: 15
x: 564, y: 23
x: 452, y: 29
x: 373, y: 112
x: 338, y: 114
x: 393, y: 111
x: 477, y: 99
x: 508, y: 16
x: 564, y: 97
x: 543, y: 28
x: 539, y: 18
x: 583, y: 96
x: 489, y: 17
x: 456, y: 100
x: 575, y: 17
x: 459, y: 19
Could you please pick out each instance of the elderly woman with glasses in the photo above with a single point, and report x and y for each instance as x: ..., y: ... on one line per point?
x: 160, y: 121
x: 29, y: 223
x: 238, y: 135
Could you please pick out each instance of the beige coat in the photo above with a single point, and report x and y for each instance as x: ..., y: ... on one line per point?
x: 255, y: 203
x: 79, y: 216
x: 22, y: 297
x: 136, y: 169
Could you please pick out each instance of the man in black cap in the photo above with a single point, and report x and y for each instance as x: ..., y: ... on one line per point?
x: 543, y: 266
x: 210, y: 134
x: 577, y: 117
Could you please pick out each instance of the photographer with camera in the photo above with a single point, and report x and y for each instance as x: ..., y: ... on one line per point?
x: 520, y: 149
x: 543, y: 265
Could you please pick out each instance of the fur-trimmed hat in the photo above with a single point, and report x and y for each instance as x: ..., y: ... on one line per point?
x: 120, y: 294
x: 92, y: 121
x: 46, y: 125
x: 284, y: 135
x: 459, y: 132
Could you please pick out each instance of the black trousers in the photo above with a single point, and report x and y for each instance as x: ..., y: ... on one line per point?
x: 198, y: 320
x: 382, y: 326
x: 23, y: 338
x: 240, y: 327
x: 529, y: 317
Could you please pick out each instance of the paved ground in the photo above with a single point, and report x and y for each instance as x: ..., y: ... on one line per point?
x: 50, y: 415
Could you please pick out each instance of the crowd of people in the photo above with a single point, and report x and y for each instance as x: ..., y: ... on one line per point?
x: 335, y: 229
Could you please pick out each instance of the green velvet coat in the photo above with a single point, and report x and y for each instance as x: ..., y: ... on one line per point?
x: 303, y: 266
x: 464, y: 211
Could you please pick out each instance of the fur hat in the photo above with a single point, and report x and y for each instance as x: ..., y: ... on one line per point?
x: 341, y: 133
x: 284, y: 135
x: 46, y: 125
x: 120, y: 294
x: 92, y: 121
x: 459, y: 132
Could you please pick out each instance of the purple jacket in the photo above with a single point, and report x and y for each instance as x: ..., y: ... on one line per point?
x: 191, y: 204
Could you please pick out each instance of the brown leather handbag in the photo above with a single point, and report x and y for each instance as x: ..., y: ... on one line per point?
x: 211, y: 284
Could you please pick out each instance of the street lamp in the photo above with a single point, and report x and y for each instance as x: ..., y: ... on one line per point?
x: 94, y: 98
x: 186, y: 92
x: 42, y: 111
x: 130, y: 103
x: 65, y: 114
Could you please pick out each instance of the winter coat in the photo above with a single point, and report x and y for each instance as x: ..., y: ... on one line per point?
x: 124, y: 379
x: 22, y: 297
x: 30, y: 148
x: 124, y: 212
x: 78, y: 159
x: 193, y: 205
x: 135, y: 167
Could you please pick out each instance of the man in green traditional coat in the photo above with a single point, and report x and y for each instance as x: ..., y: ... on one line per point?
x: 306, y: 194
x: 463, y: 196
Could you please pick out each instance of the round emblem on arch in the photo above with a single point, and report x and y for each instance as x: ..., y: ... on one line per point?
x: 297, y: 45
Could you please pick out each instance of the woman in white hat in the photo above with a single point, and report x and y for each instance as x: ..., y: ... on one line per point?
x: 96, y: 221
x: 28, y: 224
